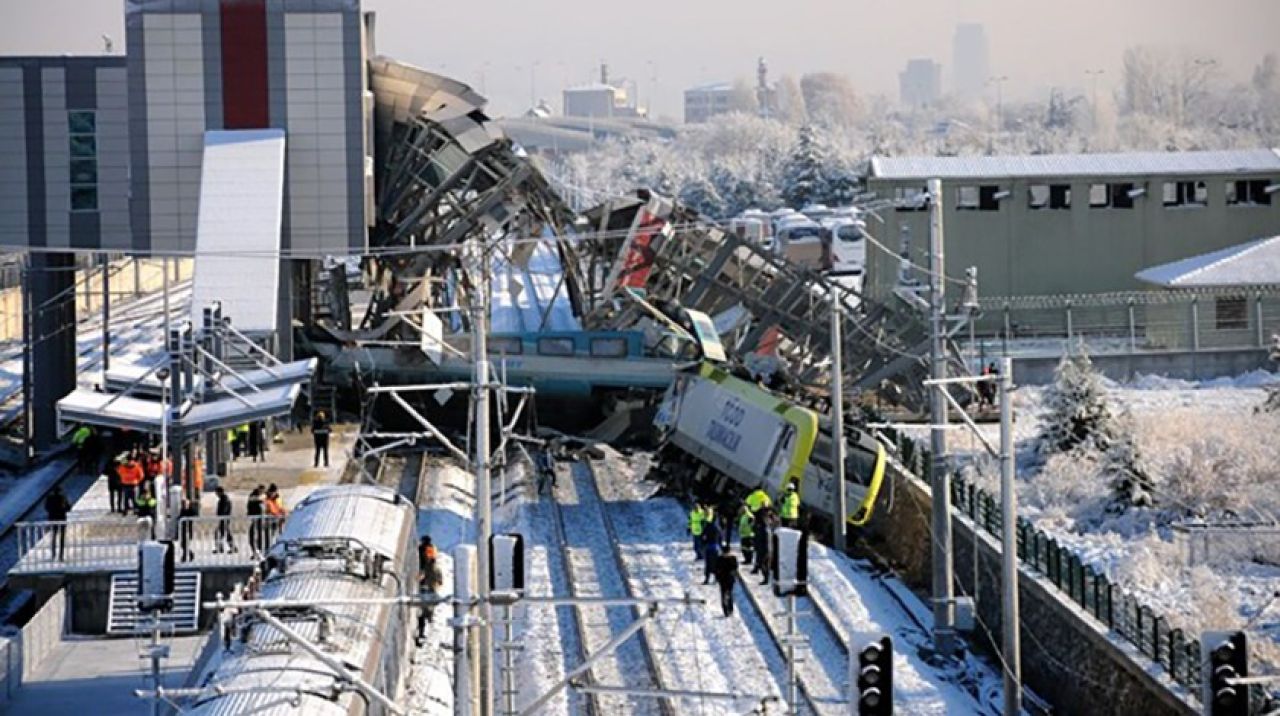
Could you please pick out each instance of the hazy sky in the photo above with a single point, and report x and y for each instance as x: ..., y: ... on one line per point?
x: 667, y: 45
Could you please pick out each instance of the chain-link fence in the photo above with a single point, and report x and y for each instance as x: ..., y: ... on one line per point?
x: 1204, y: 542
x: 1174, y: 320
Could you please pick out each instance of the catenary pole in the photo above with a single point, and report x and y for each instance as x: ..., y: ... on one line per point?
x: 480, y: 386
x: 943, y: 601
x: 840, y: 523
x: 1009, y: 566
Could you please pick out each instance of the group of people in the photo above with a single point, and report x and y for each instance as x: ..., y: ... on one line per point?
x: 131, y: 480
x: 755, y: 519
x: 249, y: 440
x: 263, y: 501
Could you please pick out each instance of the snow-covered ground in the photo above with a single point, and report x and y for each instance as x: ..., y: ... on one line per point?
x: 1208, y: 452
x: 694, y: 647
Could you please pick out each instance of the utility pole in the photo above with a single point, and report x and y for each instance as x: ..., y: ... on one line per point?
x: 480, y: 386
x: 1009, y: 522
x: 943, y: 594
x: 464, y: 682
x: 840, y: 523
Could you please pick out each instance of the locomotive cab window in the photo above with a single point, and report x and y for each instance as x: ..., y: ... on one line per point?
x: 609, y: 347
x: 505, y: 346
x: 555, y: 346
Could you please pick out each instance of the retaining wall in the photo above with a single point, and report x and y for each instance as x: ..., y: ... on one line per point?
x: 21, y: 650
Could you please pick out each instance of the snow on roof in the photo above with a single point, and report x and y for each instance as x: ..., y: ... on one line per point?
x: 1252, y: 264
x: 592, y: 87
x: 713, y: 87
x: 1246, y: 161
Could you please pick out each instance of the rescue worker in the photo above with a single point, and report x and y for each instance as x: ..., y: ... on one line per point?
x: 546, y: 467
x: 789, y: 511
x: 56, y: 508
x: 81, y: 440
x: 257, y: 530
x: 115, y: 490
x: 428, y: 582
x: 223, y: 533
x: 711, y: 548
x: 726, y: 574
x: 131, y: 477
x: 746, y: 533
x: 273, y: 505
x: 146, y: 507
x: 320, y: 434
x: 763, y: 524
x: 696, y: 518
x: 758, y: 499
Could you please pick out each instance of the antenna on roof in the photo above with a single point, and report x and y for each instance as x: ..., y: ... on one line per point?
x: 108, y: 45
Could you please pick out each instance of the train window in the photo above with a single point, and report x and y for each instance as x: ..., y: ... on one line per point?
x: 609, y: 347
x: 505, y: 346
x: 555, y: 346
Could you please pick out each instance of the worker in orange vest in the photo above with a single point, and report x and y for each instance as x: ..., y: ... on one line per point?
x: 273, y: 505
x: 131, y: 476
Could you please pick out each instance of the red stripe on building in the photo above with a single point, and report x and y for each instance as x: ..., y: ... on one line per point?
x: 244, y: 64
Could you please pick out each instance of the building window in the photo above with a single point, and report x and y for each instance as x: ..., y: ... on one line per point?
x: 967, y: 198
x: 1186, y: 193
x: 910, y: 198
x: 1099, y: 196
x: 1059, y: 196
x: 1122, y: 196
x: 1038, y: 196
x: 82, y: 142
x: 1248, y: 192
x: 1231, y: 313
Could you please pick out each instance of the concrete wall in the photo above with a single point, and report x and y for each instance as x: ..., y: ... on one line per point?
x: 23, y: 649
x: 1184, y: 365
x: 1067, y: 656
x: 1023, y: 251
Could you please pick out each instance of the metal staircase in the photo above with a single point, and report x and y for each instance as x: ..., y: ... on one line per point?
x: 123, y: 616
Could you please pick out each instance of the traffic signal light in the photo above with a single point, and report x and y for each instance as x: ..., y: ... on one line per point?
x: 875, y: 678
x: 1228, y: 659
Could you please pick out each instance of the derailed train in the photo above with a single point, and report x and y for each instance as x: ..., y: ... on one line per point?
x: 755, y: 438
x: 348, y: 542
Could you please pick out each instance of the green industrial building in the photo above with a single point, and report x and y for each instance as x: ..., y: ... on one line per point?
x: 1047, y: 225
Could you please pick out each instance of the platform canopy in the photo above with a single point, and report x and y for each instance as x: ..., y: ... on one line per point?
x: 141, y: 381
x: 126, y: 412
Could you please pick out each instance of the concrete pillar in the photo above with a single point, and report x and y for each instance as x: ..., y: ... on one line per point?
x: 49, y: 341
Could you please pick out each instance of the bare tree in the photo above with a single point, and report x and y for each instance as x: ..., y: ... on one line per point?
x: 789, y: 100
x: 830, y: 99
x: 743, y: 97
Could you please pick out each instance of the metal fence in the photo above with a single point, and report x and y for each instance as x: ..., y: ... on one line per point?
x: 1174, y: 320
x: 1201, y: 542
x: 111, y: 543
x: 1124, y: 614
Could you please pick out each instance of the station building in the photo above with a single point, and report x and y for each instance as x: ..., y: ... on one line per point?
x: 234, y: 126
x: 1071, y: 224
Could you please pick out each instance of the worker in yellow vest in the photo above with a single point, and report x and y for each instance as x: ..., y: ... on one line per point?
x: 747, y: 533
x: 696, y: 519
x: 758, y: 499
x: 789, y: 510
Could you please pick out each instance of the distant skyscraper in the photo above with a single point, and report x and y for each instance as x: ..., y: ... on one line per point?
x: 970, y: 59
x: 920, y: 84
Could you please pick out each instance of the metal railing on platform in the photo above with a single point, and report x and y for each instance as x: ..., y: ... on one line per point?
x: 111, y: 543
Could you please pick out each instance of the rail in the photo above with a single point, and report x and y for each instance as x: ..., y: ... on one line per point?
x: 779, y: 641
x: 106, y: 544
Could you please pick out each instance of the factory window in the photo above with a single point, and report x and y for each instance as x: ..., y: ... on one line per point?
x: 910, y: 198
x: 82, y: 143
x: 978, y: 198
x: 1038, y: 196
x: 609, y: 347
x: 967, y: 198
x: 555, y: 346
x: 1059, y: 196
x: 1231, y: 313
x: 505, y: 346
x: 1248, y: 192
x: 1099, y: 196
x: 1121, y: 197
x: 1186, y: 193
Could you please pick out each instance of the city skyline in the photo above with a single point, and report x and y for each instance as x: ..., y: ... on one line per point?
x: 562, y: 43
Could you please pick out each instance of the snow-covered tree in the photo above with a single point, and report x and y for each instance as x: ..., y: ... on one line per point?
x: 803, y: 178
x: 1122, y: 466
x: 1077, y: 413
x: 1272, y: 403
x: 700, y: 194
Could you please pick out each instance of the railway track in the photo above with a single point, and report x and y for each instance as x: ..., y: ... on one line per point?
x: 590, y: 533
x: 822, y: 665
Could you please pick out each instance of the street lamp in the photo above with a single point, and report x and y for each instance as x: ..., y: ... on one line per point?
x: 163, y: 496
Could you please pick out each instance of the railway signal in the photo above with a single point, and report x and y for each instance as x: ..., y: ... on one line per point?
x: 874, y: 679
x: 1228, y: 660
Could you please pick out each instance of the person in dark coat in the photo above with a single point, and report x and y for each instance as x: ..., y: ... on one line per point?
x: 764, y: 526
x: 184, y: 528
x: 115, y: 489
x: 56, y: 508
x: 320, y: 434
x: 223, y: 534
x: 429, y: 580
x: 257, y: 530
x: 712, y: 546
x: 726, y: 574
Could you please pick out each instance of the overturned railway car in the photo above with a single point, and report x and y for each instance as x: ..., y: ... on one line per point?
x: 751, y: 437
x: 350, y: 542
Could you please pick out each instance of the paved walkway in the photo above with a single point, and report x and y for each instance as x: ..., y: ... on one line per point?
x: 98, y: 676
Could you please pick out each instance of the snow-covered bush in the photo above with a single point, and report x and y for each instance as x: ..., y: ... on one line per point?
x: 1122, y: 467
x: 1272, y: 403
x: 1076, y: 409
